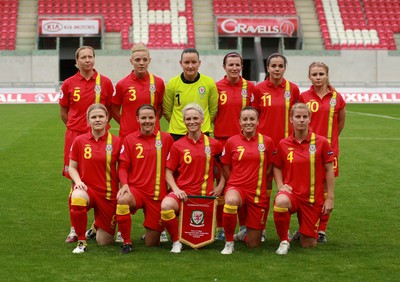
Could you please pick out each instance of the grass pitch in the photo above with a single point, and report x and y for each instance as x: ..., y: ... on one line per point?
x: 362, y: 234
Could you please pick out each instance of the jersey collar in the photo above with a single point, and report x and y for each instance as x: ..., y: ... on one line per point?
x: 190, y: 82
x: 270, y: 84
x: 134, y: 77
x: 306, y: 140
x: 140, y: 134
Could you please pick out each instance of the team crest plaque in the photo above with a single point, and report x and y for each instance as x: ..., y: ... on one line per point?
x: 197, y: 221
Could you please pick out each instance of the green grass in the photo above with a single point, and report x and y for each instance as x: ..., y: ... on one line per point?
x: 363, y: 232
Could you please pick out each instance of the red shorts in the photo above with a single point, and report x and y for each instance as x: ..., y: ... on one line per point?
x: 307, y: 215
x: 104, y: 211
x: 255, y: 214
x: 70, y: 136
x: 151, y: 210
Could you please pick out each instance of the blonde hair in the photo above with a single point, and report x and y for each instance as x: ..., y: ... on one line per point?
x: 96, y: 106
x: 139, y: 47
x: 193, y: 106
x: 83, y: 48
x: 321, y: 65
x: 300, y: 106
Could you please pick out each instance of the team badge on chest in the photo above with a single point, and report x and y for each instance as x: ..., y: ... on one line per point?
x: 207, y: 150
x: 158, y: 144
x: 202, y: 91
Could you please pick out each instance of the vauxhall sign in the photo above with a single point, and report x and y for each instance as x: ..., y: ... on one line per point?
x: 258, y: 26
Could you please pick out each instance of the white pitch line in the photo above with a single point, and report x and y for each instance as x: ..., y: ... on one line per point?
x: 371, y: 138
x: 373, y: 115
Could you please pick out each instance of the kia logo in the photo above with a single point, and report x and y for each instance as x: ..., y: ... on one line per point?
x: 53, y: 26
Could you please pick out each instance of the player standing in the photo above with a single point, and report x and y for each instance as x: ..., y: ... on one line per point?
x: 235, y: 93
x: 273, y: 98
x: 77, y: 93
x: 328, y: 110
x: 137, y: 88
x: 189, y: 87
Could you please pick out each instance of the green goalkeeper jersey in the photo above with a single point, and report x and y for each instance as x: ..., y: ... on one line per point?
x: 179, y: 93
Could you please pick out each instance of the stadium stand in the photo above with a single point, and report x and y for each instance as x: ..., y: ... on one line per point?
x: 254, y: 7
x: 157, y: 23
x: 349, y: 24
x: 344, y: 24
x: 8, y: 16
x: 163, y: 23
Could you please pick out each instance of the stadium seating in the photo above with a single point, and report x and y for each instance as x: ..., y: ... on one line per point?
x: 157, y: 23
x: 354, y: 24
x: 115, y: 13
x: 254, y: 7
x: 344, y: 24
x: 164, y: 23
x: 8, y: 29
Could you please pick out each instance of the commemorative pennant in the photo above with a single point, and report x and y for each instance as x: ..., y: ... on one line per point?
x: 197, y: 221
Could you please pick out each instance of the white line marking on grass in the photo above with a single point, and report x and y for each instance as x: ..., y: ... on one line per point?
x: 372, y: 138
x: 373, y: 115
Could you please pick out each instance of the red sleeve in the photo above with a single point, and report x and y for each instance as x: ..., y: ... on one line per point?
x: 327, y: 153
x: 295, y: 93
x: 110, y: 92
x: 64, y: 95
x: 250, y: 93
x: 341, y: 102
x: 256, y: 101
x: 117, y: 97
x: 160, y: 90
x: 301, y: 99
x: 278, y: 160
x: 217, y: 147
x: 173, y: 158
x: 270, y: 149
x: 74, y: 152
x: 168, y: 141
x: 226, y: 154
x: 124, y: 163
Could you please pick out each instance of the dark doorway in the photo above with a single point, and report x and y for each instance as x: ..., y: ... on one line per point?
x: 67, y: 48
